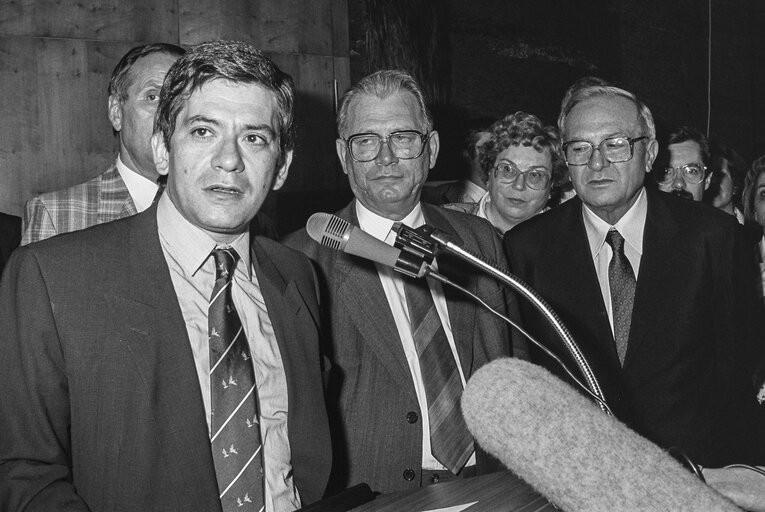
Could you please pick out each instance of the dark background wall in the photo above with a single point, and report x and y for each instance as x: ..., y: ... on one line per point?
x: 508, y: 55
x: 475, y: 58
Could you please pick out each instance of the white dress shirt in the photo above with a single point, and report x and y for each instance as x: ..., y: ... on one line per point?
x: 631, y: 226
x: 142, y: 190
x: 187, y: 250
x: 393, y: 285
x: 472, y: 192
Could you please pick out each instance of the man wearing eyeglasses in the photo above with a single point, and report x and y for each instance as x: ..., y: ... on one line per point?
x: 653, y: 289
x: 688, y: 174
x: 394, y: 401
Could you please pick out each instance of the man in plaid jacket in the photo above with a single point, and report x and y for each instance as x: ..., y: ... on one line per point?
x: 130, y: 184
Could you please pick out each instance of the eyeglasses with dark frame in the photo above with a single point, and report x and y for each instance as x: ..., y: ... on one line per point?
x: 613, y: 149
x: 404, y: 144
x: 506, y: 173
x: 693, y: 173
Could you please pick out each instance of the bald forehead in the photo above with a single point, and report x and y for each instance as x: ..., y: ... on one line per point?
x: 399, y: 108
x: 610, y: 115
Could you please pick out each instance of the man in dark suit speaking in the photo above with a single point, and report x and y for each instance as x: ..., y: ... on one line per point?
x: 653, y: 288
x: 401, y: 348
x: 167, y: 361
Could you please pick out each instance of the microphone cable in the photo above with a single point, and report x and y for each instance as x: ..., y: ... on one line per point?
x: 444, y: 242
x: 445, y: 280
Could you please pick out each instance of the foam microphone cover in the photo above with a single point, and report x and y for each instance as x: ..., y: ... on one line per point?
x: 572, y: 453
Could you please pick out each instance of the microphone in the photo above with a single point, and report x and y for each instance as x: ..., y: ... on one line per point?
x: 339, y: 234
x: 569, y: 451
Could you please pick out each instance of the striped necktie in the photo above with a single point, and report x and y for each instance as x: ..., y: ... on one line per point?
x: 234, y: 425
x: 450, y: 440
x: 621, y: 281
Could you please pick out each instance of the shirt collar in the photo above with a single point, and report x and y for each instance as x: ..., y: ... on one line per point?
x: 141, y: 189
x: 190, y: 245
x: 473, y: 192
x: 379, y: 227
x: 630, y: 226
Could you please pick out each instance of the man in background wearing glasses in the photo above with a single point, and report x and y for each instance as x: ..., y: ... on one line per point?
x: 652, y: 288
x: 383, y: 415
x: 688, y: 174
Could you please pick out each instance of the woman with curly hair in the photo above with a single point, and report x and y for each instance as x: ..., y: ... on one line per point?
x: 523, y: 171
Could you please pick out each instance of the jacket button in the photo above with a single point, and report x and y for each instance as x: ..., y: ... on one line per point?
x: 409, y: 475
x: 412, y: 417
x: 434, y: 479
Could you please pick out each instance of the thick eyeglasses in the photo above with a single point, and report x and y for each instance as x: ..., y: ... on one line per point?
x: 404, y: 144
x: 535, y: 177
x: 691, y: 173
x: 613, y: 149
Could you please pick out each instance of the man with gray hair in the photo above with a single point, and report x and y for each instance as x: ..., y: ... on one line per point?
x: 652, y: 288
x: 170, y: 360
x: 129, y: 185
x: 397, y: 379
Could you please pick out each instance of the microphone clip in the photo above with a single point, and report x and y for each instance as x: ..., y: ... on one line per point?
x: 415, y: 241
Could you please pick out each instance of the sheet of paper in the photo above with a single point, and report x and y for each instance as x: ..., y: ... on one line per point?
x: 455, y: 508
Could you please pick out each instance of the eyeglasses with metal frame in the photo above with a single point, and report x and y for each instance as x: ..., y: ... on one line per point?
x: 692, y: 173
x: 506, y: 173
x: 404, y: 144
x: 613, y: 149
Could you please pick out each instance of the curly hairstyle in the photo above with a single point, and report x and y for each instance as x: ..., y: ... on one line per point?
x: 750, y: 187
x: 523, y: 129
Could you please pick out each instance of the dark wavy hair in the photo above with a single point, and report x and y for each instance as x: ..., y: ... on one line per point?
x: 228, y: 60
x: 689, y: 133
x: 523, y: 129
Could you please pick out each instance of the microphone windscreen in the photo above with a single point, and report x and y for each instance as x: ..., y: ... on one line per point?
x: 565, y: 447
x: 341, y: 235
x: 329, y: 230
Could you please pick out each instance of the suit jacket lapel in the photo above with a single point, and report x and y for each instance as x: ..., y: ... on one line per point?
x: 283, y: 301
x: 360, y: 291
x: 159, y: 350
x: 576, y: 285
x: 461, y: 309
x: 656, y: 274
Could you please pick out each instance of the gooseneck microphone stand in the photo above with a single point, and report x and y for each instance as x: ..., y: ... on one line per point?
x: 420, y: 239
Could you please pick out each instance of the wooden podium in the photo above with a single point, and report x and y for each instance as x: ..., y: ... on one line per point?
x: 497, y: 492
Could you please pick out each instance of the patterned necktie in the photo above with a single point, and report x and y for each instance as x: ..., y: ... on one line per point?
x: 621, y: 280
x: 234, y: 425
x: 450, y: 440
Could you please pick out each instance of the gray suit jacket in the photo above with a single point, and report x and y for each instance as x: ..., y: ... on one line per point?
x: 374, y: 413
x: 101, y: 404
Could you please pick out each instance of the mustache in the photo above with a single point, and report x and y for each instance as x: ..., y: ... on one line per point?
x: 682, y: 193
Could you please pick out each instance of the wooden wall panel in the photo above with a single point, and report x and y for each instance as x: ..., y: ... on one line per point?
x: 104, y: 20
x: 315, y: 161
x: 56, y: 57
x: 54, y: 90
x: 288, y: 26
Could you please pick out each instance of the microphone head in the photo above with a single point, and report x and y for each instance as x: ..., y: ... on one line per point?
x: 565, y: 447
x: 329, y: 230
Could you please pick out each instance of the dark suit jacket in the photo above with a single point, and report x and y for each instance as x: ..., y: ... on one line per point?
x: 685, y: 380
x: 374, y: 413
x: 101, y: 404
x: 10, y: 236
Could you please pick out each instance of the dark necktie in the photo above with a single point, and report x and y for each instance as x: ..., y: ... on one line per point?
x: 234, y: 424
x: 621, y: 280
x: 450, y: 440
